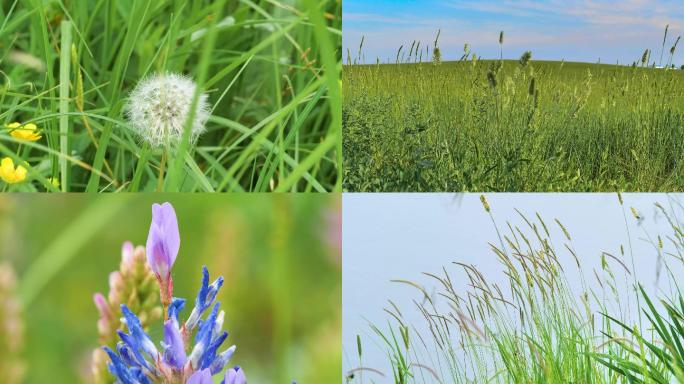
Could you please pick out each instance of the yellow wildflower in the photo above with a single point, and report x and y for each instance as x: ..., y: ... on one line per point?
x: 28, y: 132
x: 9, y: 173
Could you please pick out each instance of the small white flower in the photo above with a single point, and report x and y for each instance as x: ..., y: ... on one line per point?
x: 159, y: 105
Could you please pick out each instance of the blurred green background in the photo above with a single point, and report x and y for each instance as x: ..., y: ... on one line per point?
x: 280, y: 256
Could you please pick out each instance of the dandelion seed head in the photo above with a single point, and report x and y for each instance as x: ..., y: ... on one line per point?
x: 159, y: 106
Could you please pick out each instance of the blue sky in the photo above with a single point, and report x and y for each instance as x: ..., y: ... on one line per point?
x: 399, y: 236
x: 574, y: 30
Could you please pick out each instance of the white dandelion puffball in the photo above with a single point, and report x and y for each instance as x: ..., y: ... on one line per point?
x: 159, y: 105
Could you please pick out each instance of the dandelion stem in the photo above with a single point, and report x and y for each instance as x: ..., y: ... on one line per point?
x: 160, y: 181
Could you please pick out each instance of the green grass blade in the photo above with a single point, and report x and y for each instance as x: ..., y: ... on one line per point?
x: 64, y: 131
x: 65, y: 247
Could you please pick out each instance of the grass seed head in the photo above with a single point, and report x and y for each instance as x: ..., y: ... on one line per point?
x: 525, y: 58
x: 485, y: 204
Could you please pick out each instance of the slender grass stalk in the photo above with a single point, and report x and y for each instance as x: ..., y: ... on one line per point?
x: 139, y: 169
x: 64, y: 131
x: 662, y: 48
x: 65, y: 247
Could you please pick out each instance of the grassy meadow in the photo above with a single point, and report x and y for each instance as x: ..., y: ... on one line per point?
x: 269, y: 71
x: 279, y: 255
x: 535, y: 325
x: 506, y: 125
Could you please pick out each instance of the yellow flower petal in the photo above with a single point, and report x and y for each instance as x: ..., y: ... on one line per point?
x: 6, y: 165
x: 20, y: 173
x: 9, y: 174
x: 26, y: 132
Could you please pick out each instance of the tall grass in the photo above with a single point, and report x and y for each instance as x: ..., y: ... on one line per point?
x: 538, y: 327
x: 503, y: 125
x: 270, y: 70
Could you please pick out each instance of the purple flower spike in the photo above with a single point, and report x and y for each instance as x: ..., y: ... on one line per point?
x: 189, y: 353
x: 235, y: 376
x: 174, y: 353
x: 163, y: 240
x: 200, y: 377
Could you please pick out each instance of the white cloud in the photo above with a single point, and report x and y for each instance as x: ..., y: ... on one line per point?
x: 624, y: 12
x: 575, y: 30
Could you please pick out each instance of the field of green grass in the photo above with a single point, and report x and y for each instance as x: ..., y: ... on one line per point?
x: 489, y: 125
x: 270, y: 72
x: 538, y: 326
x: 279, y: 255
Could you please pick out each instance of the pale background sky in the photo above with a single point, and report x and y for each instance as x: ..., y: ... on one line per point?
x: 574, y: 30
x: 398, y: 236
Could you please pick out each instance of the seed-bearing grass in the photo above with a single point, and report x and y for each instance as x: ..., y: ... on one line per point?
x: 536, y: 327
x: 503, y: 125
x: 266, y: 68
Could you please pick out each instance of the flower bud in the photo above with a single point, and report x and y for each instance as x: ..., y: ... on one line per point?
x: 163, y: 240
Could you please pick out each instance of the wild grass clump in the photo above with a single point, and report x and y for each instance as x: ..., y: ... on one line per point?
x: 257, y: 79
x: 538, y: 326
x: 505, y: 125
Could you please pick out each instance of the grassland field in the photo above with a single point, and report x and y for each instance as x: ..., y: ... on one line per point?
x: 491, y: 125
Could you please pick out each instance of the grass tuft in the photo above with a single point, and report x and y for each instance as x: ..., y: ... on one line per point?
x: 268, y: 68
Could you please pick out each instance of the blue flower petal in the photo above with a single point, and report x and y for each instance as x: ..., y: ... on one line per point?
x: 136, y: 330
x: 127, y: 355
x: 206, y: 328
x: 119, y: 369
x: 134, y: 347
x: 210, y: 353
x: 177, y: 305
x: 221, y: 360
